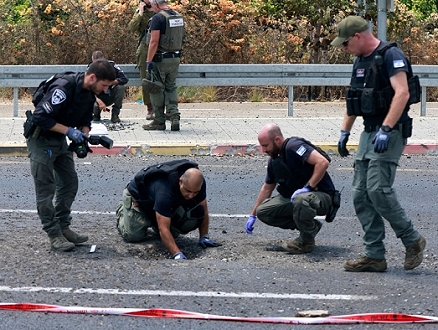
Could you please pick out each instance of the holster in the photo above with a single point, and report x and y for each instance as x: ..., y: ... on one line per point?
x: 28, y: 125
x: 336, y: 204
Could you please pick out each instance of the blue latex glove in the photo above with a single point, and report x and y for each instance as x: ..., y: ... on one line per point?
x: 179, y: 256
x: 299, y: 191
x: 205, y: 242
x: 76, y: 135
x: 149, y: 66
x: 381, y: 141
x: 249, y: 227
x: 342, y: 144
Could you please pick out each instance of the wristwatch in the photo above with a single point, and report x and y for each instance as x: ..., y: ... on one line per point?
x: 308, y: 186
x: 386, y: 128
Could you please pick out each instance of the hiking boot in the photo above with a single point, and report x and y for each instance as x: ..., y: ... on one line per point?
x: 115, y: 119
x: 60, y: 243
x: 365, y: 264
x: 297, y: 246
x: 414, y: 254
x: 174, y: 123
x: 73, y: 237
x: 154, y: 126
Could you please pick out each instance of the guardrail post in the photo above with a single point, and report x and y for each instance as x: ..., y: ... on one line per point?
x: 423, y: 101
x: 15, y: 101
x: 290, y: 101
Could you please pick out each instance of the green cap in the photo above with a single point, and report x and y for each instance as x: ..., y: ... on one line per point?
x: 348, y: 27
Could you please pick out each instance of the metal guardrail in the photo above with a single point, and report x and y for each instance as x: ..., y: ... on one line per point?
x: 16, y: 76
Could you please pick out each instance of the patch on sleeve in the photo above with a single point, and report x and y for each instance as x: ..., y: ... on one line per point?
x: 398, y: 64
x: 47, y: 107
x: 301, y: 150
x: 58, y: 97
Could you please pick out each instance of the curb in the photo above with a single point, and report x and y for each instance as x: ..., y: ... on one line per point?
x: 208, y: 150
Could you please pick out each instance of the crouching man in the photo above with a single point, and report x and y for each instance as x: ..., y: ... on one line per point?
x: 299, y: 171
x: 171, y: 198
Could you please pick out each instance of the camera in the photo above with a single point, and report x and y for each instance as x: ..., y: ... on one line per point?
x: 82, y: 149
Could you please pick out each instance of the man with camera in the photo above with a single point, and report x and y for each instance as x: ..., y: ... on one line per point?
x: 138, y: 25
x: 66, y: 109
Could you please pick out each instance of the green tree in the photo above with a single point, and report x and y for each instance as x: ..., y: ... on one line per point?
x: 423, y: 8
x: 318, y: 15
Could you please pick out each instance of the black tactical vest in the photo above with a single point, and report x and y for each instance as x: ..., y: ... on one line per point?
x: 371, y: 92
x: 289, y: 180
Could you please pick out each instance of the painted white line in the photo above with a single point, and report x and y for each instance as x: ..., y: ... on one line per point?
x: 212, y: 215
x: 217, y: 294
x: 113, y: 213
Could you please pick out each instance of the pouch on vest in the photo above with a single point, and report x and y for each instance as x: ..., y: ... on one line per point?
x: 353, y: 102
x: 414, y: 90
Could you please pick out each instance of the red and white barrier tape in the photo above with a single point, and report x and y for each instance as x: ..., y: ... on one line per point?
x: 178, y: 314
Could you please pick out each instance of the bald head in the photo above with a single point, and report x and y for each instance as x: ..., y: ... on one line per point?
x: 271, y: 139
x: 191, y: 183
x: 270, y: 131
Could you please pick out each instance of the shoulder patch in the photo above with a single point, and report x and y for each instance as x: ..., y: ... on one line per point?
x: 58, y: 96
x: 398, y: 64
x: 301, y: 150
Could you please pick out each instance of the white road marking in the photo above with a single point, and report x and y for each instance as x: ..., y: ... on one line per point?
x: 214, y: 294
x: 212, y: 215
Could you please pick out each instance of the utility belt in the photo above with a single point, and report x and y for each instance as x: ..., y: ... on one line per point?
x: 405, y: 129
x: 158, y: 57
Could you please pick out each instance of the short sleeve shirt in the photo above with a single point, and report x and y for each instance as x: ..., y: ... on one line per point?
x: 297, y: 153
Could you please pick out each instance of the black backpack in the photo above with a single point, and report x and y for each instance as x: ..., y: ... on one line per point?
x: 44, y: 85
x: 171, y: 169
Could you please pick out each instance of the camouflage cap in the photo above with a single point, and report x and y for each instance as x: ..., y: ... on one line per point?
x: 152, y: 87
x: 348, y: 27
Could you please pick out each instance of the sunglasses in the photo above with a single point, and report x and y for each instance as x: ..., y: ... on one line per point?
x: 345, y: 43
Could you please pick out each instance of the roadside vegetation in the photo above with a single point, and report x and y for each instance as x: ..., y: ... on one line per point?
x: 218, y: 31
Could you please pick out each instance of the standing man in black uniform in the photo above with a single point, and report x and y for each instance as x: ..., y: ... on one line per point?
x: 66, y: 109
x: 113, y: 96
x: 172, y: 199
x: 165, y: 38
x: 381, y: 94
x: 138, y: 25
x: 305, y: 188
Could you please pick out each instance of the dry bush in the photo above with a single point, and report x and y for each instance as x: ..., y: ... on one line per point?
x: 218, y: 31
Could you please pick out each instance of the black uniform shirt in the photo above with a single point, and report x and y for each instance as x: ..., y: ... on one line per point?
x: 65, y: 103
x: 297, y: 152
x: 164, y: 197
x: 394, y: 62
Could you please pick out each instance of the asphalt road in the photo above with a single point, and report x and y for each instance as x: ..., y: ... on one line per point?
x: 246, y: 277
